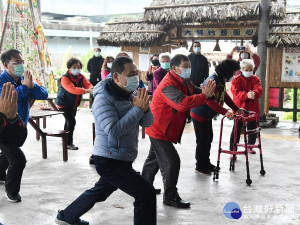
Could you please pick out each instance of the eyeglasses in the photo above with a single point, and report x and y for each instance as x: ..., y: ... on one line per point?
x: 18, y: 62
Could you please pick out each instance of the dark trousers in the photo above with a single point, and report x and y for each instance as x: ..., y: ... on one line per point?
x: 117, y: 174
x: 69, y: 114
x: 204, y: 138
x: 251, y: 137
x: 13, y: 160
x: 163, y: 156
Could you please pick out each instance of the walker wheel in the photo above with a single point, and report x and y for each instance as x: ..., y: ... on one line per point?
x: 249, y: 181
x: 262, y: 172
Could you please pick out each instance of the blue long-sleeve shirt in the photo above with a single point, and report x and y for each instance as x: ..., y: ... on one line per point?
x: 26, y: 96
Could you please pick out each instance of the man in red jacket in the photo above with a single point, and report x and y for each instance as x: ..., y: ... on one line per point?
x: 173, y: 99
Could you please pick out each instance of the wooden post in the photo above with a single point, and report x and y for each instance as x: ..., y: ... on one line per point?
x: 295, y: 106
x: 263, y: 32
x: 267, y: 86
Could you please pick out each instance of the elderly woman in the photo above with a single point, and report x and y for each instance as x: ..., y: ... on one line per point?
x: 161, y: 72
x: 71, y: 88
x: 246, y: 91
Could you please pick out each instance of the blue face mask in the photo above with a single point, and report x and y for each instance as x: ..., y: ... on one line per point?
x: 185, y: 73
x: 197, y: 49
x: 19, y: 70
x: 132, y: 83
x: 75, y: 72
x: 165, y: 65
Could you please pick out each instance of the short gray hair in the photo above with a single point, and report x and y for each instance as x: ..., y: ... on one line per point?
x: 163, y: 55
x: 246, y: 63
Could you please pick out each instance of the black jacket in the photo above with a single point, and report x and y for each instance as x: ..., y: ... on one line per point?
x: 199, y: 68
x: 12, y: 132
x: 94, y: 67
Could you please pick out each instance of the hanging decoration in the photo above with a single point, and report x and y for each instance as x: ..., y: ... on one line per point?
x: 22, y: 29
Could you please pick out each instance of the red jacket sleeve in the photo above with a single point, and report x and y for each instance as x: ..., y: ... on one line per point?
x: 86, y: 83
x: 256, y: 60
x: 229, y: 56
x: 237, y: 91
x: 69, y: 86
x: 257, y: 89
x: 179, y: 101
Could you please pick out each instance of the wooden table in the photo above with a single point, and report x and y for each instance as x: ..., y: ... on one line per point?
x: 34, y: 120
x: 36, y: 115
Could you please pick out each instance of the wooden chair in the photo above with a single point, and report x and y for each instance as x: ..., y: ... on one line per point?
x: 59, y: 133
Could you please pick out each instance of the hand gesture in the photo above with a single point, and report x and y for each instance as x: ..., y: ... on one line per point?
x: 248, y: 49
x: 241, y: 111
x: 229, y: 115
x: 251, y: 95
x: 233, y: 50
x: 8, y: 101
x: 28, y: 79
x: 142, y: 100
x: 90, y: 91
x: 209, y: 89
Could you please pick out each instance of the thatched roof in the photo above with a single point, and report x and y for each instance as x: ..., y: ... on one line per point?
x: 177, y: 12
x: 132, y: 32
x: 285, y: 32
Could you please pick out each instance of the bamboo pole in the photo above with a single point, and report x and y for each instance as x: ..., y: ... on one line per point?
x: 4, y: 25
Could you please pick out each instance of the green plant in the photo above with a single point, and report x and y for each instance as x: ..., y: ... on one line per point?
x: 289, y: 115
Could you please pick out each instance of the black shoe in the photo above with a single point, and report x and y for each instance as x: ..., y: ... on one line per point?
x: 72, y: 147
x: 13, y: 198
x: 2, y: 180
x: 92, y: 162
x: 157, y: 191
x: 205, y: 171
x: 189, y: 120
x: 212, y: 168
x: 177, y: 202
x: 60, y: 219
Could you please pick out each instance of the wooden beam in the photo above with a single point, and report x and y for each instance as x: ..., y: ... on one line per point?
x: 199, y: 4
x: 284, y: 33
x: 211, y: 38
x: 135, y: 31
x: 126, y: 21
x: 284, y: 24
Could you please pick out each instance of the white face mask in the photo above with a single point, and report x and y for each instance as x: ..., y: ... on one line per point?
x: 247, y: 73
x: 97, y: 54
x: 75, y: 72
x: 109, y: 65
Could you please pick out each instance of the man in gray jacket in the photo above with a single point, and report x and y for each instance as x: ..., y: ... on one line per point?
x: 118, y: 116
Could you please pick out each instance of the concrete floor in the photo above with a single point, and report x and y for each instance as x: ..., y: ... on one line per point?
x: 51, y: 184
